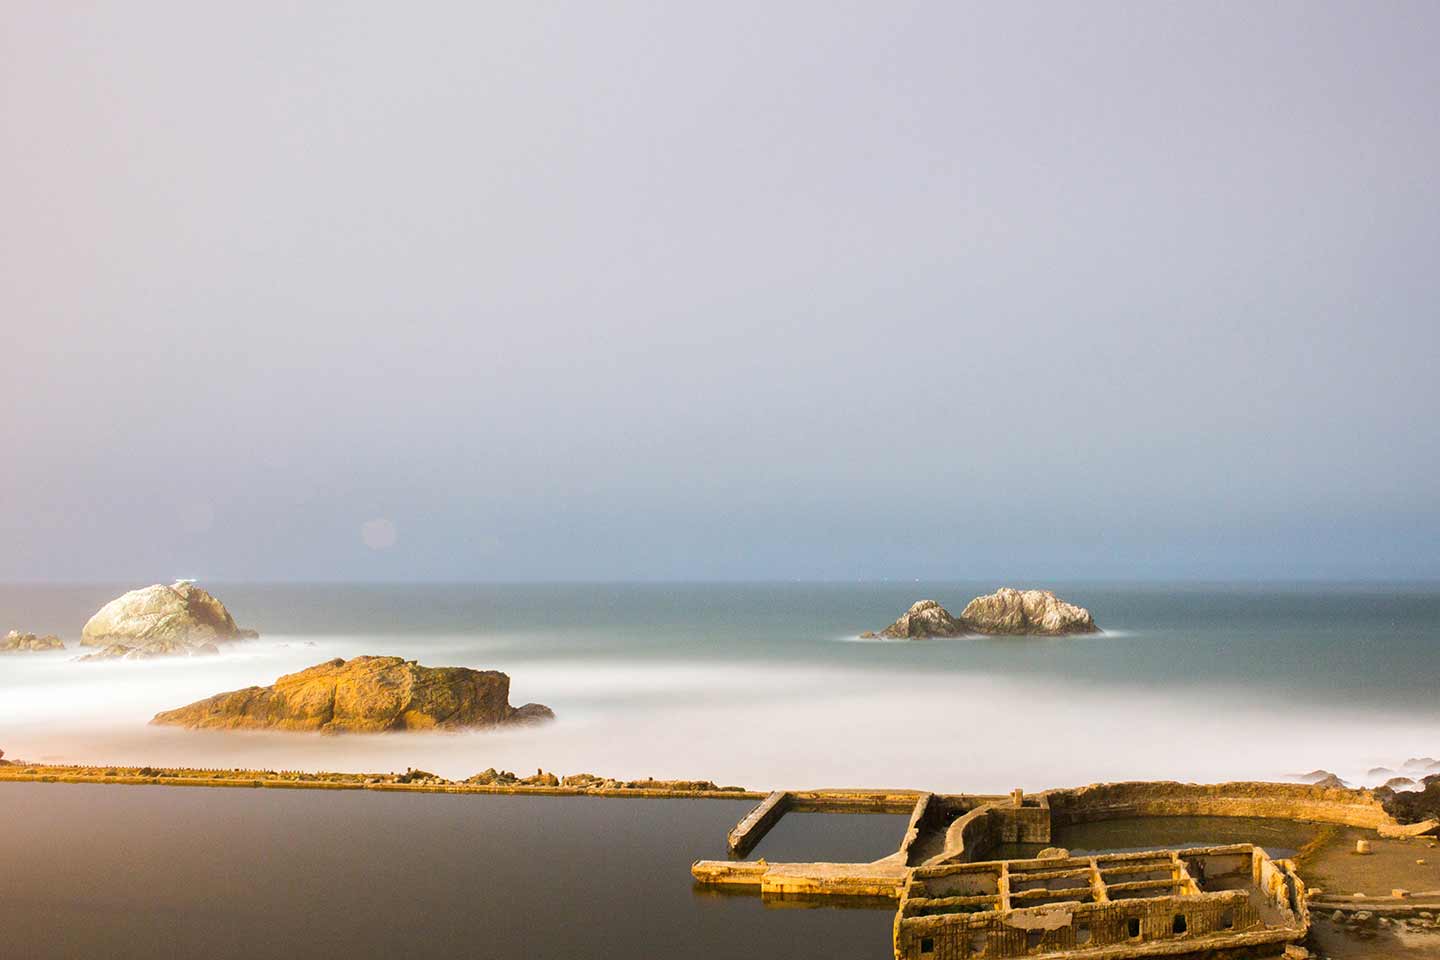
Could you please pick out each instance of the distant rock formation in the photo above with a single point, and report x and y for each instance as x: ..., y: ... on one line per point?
x: 1013, y: 612
x: 924, y: 619
x: 1005, y: 612
x: 160, y: 621
x: 1414, y: 806
x: 364, y: 695
x: 1331, y: 782
x: 17, y: 642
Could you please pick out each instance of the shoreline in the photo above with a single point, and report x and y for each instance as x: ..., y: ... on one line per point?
x: 17, y: 772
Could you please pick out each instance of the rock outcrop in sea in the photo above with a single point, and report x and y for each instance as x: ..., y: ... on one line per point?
x: 17, y: 642
x: 1005, y: 612
x: 1014, y: 612
x: 161, y: 621
x: 364, y: 695
x: 924, y: 619
x: 1413, y: 805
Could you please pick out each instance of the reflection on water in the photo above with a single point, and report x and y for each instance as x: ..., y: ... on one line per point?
x: 188, y: 872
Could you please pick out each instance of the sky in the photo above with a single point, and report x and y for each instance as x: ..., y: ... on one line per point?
x: 548, y: 291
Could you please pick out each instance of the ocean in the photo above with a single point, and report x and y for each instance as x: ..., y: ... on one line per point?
x: 767, y: 685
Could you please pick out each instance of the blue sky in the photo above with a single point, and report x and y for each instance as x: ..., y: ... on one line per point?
x: 664, y: 291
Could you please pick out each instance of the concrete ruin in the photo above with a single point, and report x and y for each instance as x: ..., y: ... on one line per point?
x: 1228, y: 901
x: 955, y: 901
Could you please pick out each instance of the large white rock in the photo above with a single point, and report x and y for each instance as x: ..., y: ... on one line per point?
x: 163, y: 618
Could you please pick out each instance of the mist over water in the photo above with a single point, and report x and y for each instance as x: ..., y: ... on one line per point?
x: 753, y: 684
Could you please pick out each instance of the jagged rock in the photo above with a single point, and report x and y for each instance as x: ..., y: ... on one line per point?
x: 924, y: 619
x: 17, y: 642
x: 363, y: 695
x: 581, y: 780
x: 1413, y: 806
x: 542, y: 779
x: 163, y: 621
x: 1012, y: 612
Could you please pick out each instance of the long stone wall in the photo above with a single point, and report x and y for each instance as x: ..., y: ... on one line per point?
x: 1285, y: 801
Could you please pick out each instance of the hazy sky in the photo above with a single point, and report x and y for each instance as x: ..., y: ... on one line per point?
x: 731, y: 290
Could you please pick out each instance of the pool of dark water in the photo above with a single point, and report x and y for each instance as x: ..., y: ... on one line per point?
x: 837, y: 837
x: 120, y: 872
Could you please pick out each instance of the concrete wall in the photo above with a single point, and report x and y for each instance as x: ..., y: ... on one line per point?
x: 1090, y: 926
x: 1285, y: 801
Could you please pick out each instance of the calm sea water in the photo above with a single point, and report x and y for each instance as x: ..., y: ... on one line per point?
x: 766, y: 685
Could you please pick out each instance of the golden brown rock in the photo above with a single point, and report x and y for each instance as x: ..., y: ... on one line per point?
x: 17, y: 642
x: 364, y: 695
x: 924, y: 619
x: 1012, y: 612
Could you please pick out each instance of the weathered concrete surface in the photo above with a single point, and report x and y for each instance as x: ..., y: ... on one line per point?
x: 363, y: 695
x: 1108, y: 906
x: 753, y: 827
x: 1283, y: 801
x: 1424, y: 828
x: 880, y: 879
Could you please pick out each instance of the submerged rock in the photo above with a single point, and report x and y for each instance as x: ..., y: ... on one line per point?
x: 17, y: 642
x: 1013, y: 612
x: 149, y: 650
x: 924, y: 619
x: 364, y: 695
x: 162, y: 621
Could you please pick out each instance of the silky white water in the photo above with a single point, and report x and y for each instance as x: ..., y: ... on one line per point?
x: 749, y: 685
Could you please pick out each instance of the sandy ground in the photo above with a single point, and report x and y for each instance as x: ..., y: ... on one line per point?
x: 1335, y: 943
x: 1331, y: 864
